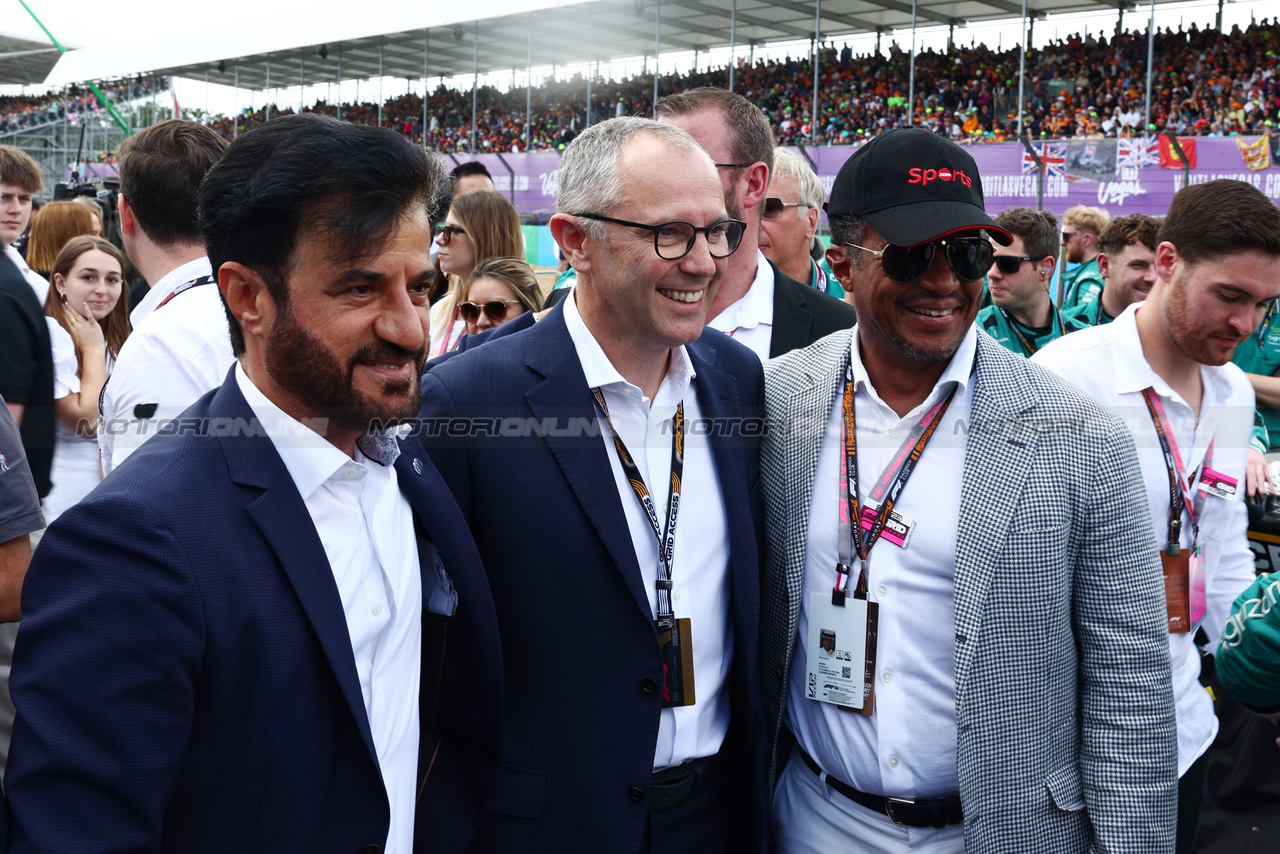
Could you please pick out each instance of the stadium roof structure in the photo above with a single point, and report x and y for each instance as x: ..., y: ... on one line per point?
x: 335, y: 39
x: 24, y: 61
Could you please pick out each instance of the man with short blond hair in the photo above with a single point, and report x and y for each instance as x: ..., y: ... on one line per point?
x: 1081, y: 227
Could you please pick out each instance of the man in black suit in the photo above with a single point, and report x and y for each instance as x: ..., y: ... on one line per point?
x: 757, y: 304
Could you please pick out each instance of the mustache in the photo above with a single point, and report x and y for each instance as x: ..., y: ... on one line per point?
x: 386, y: 351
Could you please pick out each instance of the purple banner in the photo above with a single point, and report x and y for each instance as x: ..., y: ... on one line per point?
x: 1008, y: 176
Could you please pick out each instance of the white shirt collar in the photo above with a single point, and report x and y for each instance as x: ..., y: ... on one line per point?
x: 1133, y: 373
x: 753, y: 308
x: 601, y: 373
x: 161, y: 289
x: 308, y: 457
x: 959, y: 370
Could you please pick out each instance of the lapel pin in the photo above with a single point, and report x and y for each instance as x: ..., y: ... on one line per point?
x: 417, y: 465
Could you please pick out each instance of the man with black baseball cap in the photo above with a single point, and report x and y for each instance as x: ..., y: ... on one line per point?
x: 990, y: 690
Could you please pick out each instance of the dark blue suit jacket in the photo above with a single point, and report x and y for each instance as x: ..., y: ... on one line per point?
x: 578, y: 639
x: 184, y: 676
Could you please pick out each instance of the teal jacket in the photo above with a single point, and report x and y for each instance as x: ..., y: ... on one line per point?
x: 1249, y: 653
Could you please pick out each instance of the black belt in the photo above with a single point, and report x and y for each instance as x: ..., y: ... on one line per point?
x: 671, y: 786
x: 934, y: 812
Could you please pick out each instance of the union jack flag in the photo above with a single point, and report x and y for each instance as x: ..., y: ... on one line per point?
x: 1143, y: 151
x: 1054, y: 155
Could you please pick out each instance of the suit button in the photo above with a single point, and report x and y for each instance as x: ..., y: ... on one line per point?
x: 649, y: 686
x: 635, y: 793
x: 371, y: 849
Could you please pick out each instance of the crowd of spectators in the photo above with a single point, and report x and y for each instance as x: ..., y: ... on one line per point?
x: 22, y: 112
x: 1205, y: 84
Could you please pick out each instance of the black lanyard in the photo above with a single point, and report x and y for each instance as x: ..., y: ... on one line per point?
x: 1179, y: 486
x: 666, y: 536
x: 1054, y: 319
x: 185, y: 286
x: 887, y: 491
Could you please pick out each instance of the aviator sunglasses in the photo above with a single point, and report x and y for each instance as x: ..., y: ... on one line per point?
x: 496, y: 310
x: 969, y: 258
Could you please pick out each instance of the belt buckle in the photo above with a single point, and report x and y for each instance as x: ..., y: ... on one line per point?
x: 889, y: 804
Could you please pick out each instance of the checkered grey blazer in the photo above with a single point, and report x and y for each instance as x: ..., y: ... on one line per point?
x: 1065, y: 715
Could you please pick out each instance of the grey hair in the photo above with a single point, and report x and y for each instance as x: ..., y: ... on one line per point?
x: 786, y: 164
x: 846, y: 230
x: 589, y: 179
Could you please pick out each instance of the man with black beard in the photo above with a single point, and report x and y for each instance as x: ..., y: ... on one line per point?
x: 222, y: 647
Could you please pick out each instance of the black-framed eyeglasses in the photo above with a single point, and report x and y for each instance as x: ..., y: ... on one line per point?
x: 495, y: 309
x: 673, y: 240
x: 774, y: 208
x: 447, y: 233
x: 1067, y: 235
x: 732, y: 165
x: 1010, y: 264
x: 969, y: 258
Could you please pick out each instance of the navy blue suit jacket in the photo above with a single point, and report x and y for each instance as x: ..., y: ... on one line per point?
x: 184, y: 676
x: 578, y: 641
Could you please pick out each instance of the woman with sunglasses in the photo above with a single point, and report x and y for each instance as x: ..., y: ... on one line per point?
x: 480, y: 225
x: 498, y: 290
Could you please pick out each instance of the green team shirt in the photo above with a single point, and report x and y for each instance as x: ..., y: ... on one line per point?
x: 1018, y: 338
x: 1260, y: 354
x: 821, y: 277
x: 1091, y: 315
x: 1083, y: 287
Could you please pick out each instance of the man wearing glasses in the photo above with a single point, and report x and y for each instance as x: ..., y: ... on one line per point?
x: 1022, y: 317
x: 789, y: 220
x: 618, y: 498
x: 999, y: 693
x: 1082, y: 284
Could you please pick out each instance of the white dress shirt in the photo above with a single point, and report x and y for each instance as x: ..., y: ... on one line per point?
x: 700, y: 565
x: 366, y: 527
x: 907, y: 747
x: 1108, y: 363
x: 749, y: 321
x: 38, y: 283
x: 174, y: 355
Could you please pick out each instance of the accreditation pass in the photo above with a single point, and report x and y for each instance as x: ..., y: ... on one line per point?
x: 836, y: 651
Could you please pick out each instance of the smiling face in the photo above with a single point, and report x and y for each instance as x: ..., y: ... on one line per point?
x: 632, y: 297
x: 1210, y: 307
x: 351, y: 341
x: 95, y: 279
x: 458, y: 256
x: 920, y: 322
x: 1129, y: 275
x: 15, y: 212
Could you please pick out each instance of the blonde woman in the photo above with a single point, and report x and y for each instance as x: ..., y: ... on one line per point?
x: 479, y: 226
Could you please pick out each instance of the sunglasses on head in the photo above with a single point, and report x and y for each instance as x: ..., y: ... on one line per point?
x: 774, y: 208
x: 1010, y: 264
x: 969, y: 258
x: 496, y: 309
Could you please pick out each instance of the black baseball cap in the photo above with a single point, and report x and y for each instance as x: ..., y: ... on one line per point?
x: 912, y: 186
